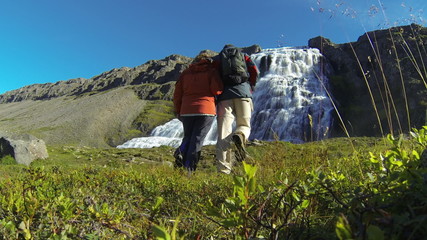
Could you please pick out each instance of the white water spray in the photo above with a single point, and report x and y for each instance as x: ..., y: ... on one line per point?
x: 290, y: 101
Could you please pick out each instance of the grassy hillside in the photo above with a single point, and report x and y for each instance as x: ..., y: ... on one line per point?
x: 98, y: 120
x: 333, y: 189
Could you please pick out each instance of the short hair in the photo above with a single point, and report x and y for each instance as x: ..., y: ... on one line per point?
x: 204, y: 54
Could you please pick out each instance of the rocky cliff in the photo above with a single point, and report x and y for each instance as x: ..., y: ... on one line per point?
x: 379, y: 81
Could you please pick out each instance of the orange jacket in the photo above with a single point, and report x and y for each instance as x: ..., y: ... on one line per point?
x: 196, y: 89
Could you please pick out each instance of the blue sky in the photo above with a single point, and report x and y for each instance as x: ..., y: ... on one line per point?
x: 51, y: 40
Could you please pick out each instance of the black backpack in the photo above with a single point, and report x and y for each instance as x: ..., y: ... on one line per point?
x: 233, y: 66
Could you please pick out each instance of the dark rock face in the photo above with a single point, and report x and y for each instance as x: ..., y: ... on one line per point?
x: 24, y: 148
x: 372, y: 78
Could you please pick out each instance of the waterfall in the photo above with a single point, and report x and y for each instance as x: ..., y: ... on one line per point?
x: 290, y: 99
x: 290, y: 102
x: 168, y: 134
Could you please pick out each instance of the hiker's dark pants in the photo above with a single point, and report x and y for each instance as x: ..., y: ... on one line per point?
x: 195, y: 130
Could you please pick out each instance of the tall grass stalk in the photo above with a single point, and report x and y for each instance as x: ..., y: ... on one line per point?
x: 401, y: 79
x: 387, y: 90
x: 381, y: 93
x: 408, y: 51
x: 389, y: 113
x: 410, y: 55
x: 369, y: 89
x: 335, y: 108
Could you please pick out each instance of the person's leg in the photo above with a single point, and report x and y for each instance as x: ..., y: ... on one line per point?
x: 201, y: 127
x: 179, y: 157
x: 180, y: 151
x: 243, y: 108
x: 187, y: 123
x: 225, y: 119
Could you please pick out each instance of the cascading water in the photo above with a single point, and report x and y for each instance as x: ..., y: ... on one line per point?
x: 168, y: 134
x: 290, y: 102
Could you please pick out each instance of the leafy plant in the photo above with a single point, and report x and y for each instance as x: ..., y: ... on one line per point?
x: 234, y: 213
x: 162, y: 234
x: 390, y: 202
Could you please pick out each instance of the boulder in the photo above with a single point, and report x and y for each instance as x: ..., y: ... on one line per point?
x: 24, y: 148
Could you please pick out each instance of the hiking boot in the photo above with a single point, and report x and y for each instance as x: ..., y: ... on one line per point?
x: 178, y: 158
x: 239, y: 141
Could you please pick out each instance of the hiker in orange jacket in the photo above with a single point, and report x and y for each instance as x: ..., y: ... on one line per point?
x: 194, y: 103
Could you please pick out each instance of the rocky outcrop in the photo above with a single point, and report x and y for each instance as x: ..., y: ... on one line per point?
x: 155, y: 72
x: 373, y: 76
x: 24, y: 148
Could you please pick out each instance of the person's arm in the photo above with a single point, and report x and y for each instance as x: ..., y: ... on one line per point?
x: 253, y: 71
x: 177, y: 96
x: 216, y: 84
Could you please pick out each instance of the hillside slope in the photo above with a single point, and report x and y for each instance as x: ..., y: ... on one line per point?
x: 98, y: 120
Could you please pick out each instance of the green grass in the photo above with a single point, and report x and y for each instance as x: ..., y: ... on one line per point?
x: 154, y: 114
x: 7, y: 160
x: 129, y: 178
x: 82, y: 192
x: 328, y: 153
x: 284, y: 156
